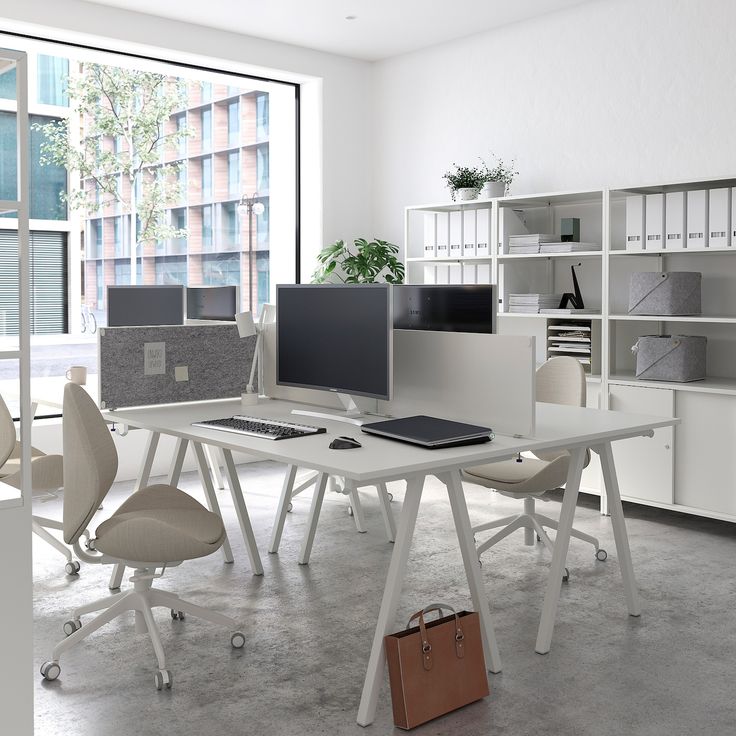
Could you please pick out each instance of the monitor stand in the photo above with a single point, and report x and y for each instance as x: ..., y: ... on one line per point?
x: 351, y: 415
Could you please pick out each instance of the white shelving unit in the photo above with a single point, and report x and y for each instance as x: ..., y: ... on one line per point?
x: 691, y: 468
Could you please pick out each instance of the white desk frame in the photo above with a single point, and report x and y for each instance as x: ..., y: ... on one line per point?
x: 381, y: 460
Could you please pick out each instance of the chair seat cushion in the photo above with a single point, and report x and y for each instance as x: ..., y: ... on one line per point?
x: 47, y: 471
x: 530, y: 476
x: 160, y: 524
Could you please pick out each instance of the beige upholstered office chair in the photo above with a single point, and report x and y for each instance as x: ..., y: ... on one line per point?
x: 46, y: 476
x: 158, y: 526
x: 559, y: 381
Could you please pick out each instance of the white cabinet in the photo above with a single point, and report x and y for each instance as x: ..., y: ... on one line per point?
x: 645, y: 466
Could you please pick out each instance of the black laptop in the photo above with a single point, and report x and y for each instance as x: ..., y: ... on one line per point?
x: 430, y: 432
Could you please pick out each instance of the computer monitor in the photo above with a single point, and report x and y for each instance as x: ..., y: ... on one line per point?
x: 445, y: 307
x: 135, y: 306
x: 335, y: 338
x: 212, y: 302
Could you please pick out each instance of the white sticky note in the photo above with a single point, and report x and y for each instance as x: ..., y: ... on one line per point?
x: 181, y: 373
x: 154, y: 358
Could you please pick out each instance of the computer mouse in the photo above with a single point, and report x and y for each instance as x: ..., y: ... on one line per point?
x: 344, y: 443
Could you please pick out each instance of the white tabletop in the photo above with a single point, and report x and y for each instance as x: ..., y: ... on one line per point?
x: 378, y: 458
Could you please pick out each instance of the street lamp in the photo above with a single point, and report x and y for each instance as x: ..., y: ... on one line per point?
x: 250, y: 206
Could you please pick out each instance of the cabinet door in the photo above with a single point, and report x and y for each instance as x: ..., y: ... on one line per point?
x: 645, y: 465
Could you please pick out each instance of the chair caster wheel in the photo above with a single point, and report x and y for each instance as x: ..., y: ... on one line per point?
x: 350, y: 510
x: 601, y: 555
x: 390, y: 497
x: 178, y: 615
x: 290, y: 507
x: 237, y: 640
x: 71, y: 626
x: 566, y: 576
x: 50, y: 670
x: 163, y: 680
x: 72, y: 568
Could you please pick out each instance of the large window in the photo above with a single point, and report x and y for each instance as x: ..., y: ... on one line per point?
x: 206, y: 120
x: 171, y: 270
x: 233, y: 174
x: 233, y: 123
x: 52, y: 76
x: 221, y: 269
x: 207, y: 178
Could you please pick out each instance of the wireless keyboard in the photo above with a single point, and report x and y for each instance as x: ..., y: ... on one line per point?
x: 269, y: 429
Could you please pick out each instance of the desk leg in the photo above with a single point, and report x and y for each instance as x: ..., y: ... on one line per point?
x: 284, y: 501
x: 562, y: 542
x: 314, y: 509
x: 233, y: 482
x: 205, y: 478
x: 388, y: 515
x: 177, y: 462
x: 464, y: 532
x: 144, y: 475
x: 352, y: 492
x: 213, y: 459
x: 619, y: 528
x: 390, y: 602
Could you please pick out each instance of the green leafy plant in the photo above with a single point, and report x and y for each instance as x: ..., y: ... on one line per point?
x: 363, y: 262
x: 500, y: 171
x: 464, y: 177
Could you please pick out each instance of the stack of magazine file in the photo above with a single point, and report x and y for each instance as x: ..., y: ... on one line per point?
x: 530, y: 243
x: 532, y: 303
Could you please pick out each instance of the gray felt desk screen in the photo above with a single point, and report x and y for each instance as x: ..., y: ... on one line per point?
x: 139, y: 366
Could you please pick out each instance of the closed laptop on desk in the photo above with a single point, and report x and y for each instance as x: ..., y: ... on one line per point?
x: 430, y: 432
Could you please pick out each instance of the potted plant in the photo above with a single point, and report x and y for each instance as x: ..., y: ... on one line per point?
x: 363, y: 262
x: 497, y: 178
x: 465, y: 181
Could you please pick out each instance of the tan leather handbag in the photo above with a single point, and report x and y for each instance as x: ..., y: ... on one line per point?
x: 435, y: 667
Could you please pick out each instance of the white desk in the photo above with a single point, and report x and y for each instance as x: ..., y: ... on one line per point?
x: 381, y: 460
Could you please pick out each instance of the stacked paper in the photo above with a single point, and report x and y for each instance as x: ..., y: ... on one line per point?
x: 532, y: 303
x: 530, y: 242
x: 567, y: 247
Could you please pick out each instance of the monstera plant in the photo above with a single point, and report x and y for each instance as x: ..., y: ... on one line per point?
x: 362, y: 262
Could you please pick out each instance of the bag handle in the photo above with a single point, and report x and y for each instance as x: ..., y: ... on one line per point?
x: 426, y: 645
x: 664, y: 277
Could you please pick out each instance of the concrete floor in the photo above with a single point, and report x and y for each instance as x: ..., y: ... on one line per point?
x: 309, y: 629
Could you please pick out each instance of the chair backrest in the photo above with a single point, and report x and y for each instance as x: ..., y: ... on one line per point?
x: 560, y: 380
x: 90, y: 460
x: 7, y: 433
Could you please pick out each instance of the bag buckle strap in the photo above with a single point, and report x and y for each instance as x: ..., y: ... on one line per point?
x: 426, y: 644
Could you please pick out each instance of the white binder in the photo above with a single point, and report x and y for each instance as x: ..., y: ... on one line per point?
x: 635, y: 222
x: 697, y: 218
x: 456, y: 273
x: 430, y: 235
x: 443, y: 273
x: 654, y: 221
x: 430, y: 274
x: 469, y: 233
x: 469, y: 273
x: 483, y: 273
x: 483, y: 232
x: 675, y: 209
x: 443, y: 234
x: 719, y: 218
x: 456, y: 234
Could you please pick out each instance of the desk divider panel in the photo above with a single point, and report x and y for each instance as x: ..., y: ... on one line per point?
x: 216, y: 358
x: 477, y: 378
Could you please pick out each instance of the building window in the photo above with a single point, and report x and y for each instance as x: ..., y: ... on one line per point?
x: 207, y: 227
x: 207, y: 178
x: 206, y: 120
x: 233, y: 123
x: 52, y: 73
x: 262, y: 178
x: 206, y: 90
x: 179, y: 222
x: 221, y: 269
x: 117, y: 239
x: 122, y: 272
x: 262, y: 228
x: 233, y: 174
x: 262, y: 115
x: 171, y: 270
x: 8, y: 84
x: 230, y: 225
x: 95, y: 239
x: 100, y: 286
x: 181, y: 123
x: 263, y: 284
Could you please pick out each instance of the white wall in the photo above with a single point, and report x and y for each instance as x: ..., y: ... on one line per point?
x: 609, y: 92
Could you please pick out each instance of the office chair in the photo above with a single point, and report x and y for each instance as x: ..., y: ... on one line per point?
x: 46, y: 477
x: 560, y: 380
x: 158, y: 526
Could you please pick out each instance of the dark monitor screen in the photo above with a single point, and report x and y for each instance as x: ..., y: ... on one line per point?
x: 136, y: 306
x: 335, y: 338
x: 445, y: 308
x: 212, y: 302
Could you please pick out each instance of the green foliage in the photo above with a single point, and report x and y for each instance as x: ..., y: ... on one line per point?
x: 500, y: 171
x: 463, y: 177
x: 365, y: 262
x: 132, y: 109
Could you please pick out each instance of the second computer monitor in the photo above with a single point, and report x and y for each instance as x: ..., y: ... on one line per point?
x: 335, y: 338
x: 212, y: 302
x: 135, y: 306
x: 445, y: 308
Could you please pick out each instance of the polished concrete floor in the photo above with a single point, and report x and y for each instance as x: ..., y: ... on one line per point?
x: 308, y: 629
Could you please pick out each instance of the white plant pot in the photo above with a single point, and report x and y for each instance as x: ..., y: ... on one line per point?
x: 467, y: 193
x: 493, y: 189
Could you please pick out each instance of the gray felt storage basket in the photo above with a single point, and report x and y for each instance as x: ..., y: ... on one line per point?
x: 676, y: 292
x: 670, y: 357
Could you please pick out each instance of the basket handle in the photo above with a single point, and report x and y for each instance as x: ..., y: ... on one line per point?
x: 426, y: 644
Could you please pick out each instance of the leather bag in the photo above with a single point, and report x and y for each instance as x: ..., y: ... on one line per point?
x: 436, y: 667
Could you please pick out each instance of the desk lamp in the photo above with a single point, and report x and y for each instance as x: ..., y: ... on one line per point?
x: 248, y: 328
